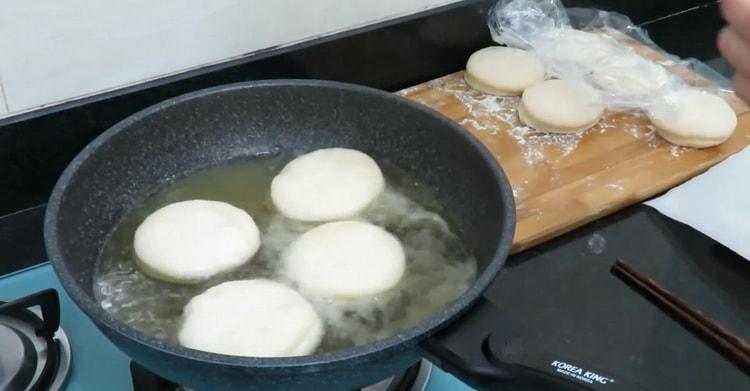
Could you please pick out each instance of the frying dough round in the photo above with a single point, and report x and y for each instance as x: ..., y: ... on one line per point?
x: 327, y: 184
x: 255, y: 318
x: 345, y: 259
x: 503, y: 71
x: 691, y: 117
x: 191, y: 241
x: 560, y: 106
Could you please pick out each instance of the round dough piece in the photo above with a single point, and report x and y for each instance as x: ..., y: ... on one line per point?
x: 345, y: 259
x: 191, y: 241
x: 327, y: 184
x: 560, y: 106
x: 254, y: 318
x: 691, y: 117
x: 503, y: 71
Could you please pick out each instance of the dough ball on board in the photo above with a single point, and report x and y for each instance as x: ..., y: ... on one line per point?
x: 503, y: 71
x: 560, y: 106
x: 327, y: 184
x: 254, y: 318
x: 691, y: 117
x: 345, y: 259
x: 191, y: 241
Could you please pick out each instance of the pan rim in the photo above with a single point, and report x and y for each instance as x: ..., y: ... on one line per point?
x: 406, y: 339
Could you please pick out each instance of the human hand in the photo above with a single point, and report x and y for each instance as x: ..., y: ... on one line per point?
x: 734, y: 43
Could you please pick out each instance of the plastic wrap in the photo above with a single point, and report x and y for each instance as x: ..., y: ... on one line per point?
x: 586, y: 45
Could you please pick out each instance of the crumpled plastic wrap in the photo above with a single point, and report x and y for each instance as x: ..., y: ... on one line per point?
x: 582, y: 45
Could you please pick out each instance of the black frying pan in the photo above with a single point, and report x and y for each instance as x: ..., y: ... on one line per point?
x: 128, y: 162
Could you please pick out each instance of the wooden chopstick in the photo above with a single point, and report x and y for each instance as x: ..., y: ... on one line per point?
x: 734, y: 347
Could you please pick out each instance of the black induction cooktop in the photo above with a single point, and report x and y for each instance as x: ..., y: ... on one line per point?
x: 573, y: 306
x: 558, y: 306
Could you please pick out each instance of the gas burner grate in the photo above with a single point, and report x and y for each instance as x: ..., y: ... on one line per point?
x: 36, y: 352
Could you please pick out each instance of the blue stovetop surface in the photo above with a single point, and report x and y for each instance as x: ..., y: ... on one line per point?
x: 97, y: 364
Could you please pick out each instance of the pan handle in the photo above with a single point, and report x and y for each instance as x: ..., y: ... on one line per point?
x: 483, y: 349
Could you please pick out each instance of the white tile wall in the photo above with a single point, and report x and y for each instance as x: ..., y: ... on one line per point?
x: 54, y: 50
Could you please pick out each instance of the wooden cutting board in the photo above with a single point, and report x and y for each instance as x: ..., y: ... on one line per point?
x: 561, y: 182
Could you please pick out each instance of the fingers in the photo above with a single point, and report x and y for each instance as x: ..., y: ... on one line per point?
x: 742, y: 87
x: 737, y: 14
x: 737, y: 52
x: 734, y: 49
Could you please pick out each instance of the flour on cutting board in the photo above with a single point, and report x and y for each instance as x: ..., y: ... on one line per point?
x: 649, y: 135
x: 532, y: 143
x: 483, y: 109
x: 519, y: 189
x: 676, y: 150
x: 483, y: 112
